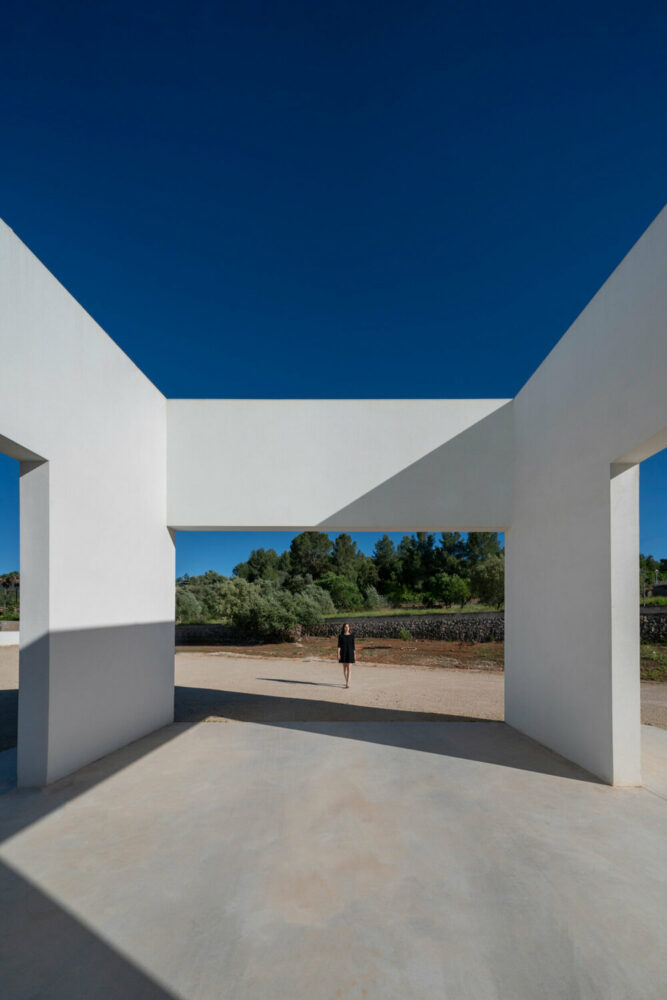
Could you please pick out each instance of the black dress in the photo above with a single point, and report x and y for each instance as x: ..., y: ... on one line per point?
x: 346, y: 646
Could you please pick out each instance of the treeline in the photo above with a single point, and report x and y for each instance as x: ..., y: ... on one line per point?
x: 9, y: 595
x: 271, y: 594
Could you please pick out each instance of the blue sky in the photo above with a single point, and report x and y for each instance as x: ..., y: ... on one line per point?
x: 332, y: 199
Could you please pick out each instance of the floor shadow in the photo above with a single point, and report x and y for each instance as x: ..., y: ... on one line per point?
x: 196, y: 704
x: 464, y: 736
x: 9, y: 715
x: 285, y: 680
x: 45, y: 952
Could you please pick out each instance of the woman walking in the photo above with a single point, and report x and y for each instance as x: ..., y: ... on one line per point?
x: 346, y: 651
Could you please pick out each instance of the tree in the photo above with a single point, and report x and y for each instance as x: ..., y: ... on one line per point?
x: 310, y: 552
x: 188, y: 608
x: 451, y: 589
x: 372, y: 600
x: 345, y: 557
x: 487, y: 580
x: 449, y: 555
x: 479, y: 546
x: 367, y: 574
x: 417, y: 560
x: 262, y: 564
x: 344, y: 592
x: 386, y: 562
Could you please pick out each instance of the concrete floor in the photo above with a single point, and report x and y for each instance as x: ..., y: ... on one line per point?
x: 335, y: 861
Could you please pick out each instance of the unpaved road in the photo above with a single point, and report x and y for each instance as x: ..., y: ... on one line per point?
x: 218, y: 684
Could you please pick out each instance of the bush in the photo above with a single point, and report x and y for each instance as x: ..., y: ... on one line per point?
x: 267, y: 611
x: 344, y: 593
x: 188, y: 608
x: 451, y: 589
x: 404, y: 634
x: 372, y: 600
x: 399, y: 594
x: 321, y: 597
x: 487, y: 581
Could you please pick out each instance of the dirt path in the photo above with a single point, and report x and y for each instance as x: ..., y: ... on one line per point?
x: 229, y: 685
x: 221, y: 684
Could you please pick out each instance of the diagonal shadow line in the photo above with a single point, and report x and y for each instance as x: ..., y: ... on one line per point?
x: 471, y: 460
x: 286, y: 680
x: 46, y: 952
x: 463, y: 736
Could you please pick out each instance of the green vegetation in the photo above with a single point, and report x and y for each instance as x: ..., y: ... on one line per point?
x: 654, y: 662
x: 468, y: 609
x: 9, y: 596
x: 277, y: 596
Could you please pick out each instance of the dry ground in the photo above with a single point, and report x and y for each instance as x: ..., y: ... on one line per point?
x: 426, y: 653
x: 393, y: 680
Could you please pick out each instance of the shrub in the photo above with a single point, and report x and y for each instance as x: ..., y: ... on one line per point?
x: 188, y: 608
x: 404, y: 634
x: 373, y: 601
x: 321, y: 597
x: 487, y: 581
x: 344, y: 593
x: 262, y: 609
x: 451, y: 589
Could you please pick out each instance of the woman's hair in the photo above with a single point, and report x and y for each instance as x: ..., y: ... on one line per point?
x: 342, y: 631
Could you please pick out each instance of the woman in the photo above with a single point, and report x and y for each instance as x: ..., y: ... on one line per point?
x: 346, y: 651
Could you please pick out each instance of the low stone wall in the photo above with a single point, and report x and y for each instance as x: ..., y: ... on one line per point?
x: 482, y: 627
x: 205, y: 635
x: 653, y: 626
x: 486, y: 627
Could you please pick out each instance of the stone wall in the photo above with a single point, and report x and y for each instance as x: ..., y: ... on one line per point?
x: 205, y: 635
x: 467, y: 628
x: 486, y: 627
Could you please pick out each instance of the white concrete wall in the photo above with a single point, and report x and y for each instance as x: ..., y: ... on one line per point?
x: 97, y: 559
x: 597, y: 404
x: 339, y: 464
x: 9, y: 638
x: 556, y: 468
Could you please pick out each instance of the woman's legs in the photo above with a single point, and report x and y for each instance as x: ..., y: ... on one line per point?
x: 346, y: 671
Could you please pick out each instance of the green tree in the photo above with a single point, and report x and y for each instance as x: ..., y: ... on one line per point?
x: 386, y: 562
x: 373, y: 601
x: 310, y: 553
x: 262, y: 564
x: 451, y: 589
x: 188, y: 608
x: 487, y: 580
x: 345, y: 557
x: 367, y: 574
x: 480, y: 546
x: 344, y: 592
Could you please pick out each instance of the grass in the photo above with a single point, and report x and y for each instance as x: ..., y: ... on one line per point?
x: 402, y: 612
x: 653, y: 659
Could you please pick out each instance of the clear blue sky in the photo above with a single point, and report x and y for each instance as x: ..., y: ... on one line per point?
x: 332, y: 199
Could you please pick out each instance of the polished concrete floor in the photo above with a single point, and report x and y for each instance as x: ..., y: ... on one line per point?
x: 337, y: 860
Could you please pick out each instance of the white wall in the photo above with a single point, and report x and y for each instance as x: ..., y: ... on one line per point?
x: 556, y: 467
x: 97, y: 560
x: 598, y: 400
x: 339, y: 464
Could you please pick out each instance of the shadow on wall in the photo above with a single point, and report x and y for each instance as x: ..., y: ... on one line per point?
x: 458, y: 472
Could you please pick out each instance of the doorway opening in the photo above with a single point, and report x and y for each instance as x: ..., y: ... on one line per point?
x: 653, y: 588
x: 259, y: 614
x: 10, y: 603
